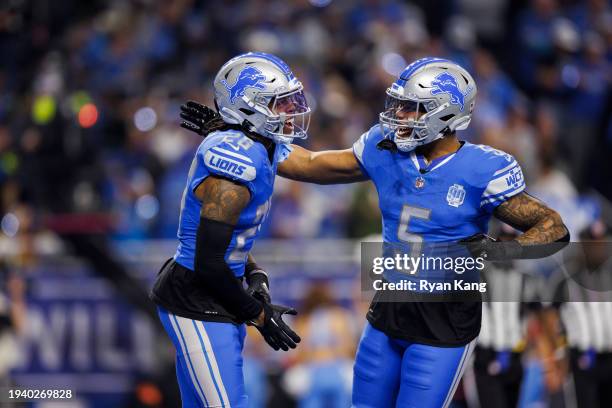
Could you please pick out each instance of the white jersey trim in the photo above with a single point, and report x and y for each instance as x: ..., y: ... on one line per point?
x: 230, y: 153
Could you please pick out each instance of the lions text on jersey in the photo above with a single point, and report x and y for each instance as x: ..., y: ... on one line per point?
x: 232, y: 155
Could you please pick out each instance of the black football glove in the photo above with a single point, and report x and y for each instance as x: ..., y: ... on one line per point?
x: 201, y: 119
x: 274, y: 331
x: 483, y: 246
x: 259, y: 286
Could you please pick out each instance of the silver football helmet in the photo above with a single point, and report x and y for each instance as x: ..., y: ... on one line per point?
x: 260, y: 89
x: 431, y: 97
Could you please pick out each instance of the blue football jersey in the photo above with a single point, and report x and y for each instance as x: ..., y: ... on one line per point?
x: 232, y: 155
x: 444, y: 201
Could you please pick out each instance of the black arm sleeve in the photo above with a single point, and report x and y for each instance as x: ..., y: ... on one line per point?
x: 212, y: 241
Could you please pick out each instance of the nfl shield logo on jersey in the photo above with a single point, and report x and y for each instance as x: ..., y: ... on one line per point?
x: 455, y: 195
x: 420, y: 182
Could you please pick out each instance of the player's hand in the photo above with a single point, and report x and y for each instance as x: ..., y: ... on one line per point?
x: 479, y: 245
x: 483, y: 246
x: 258, y: 287
x: 199, y: 118
x: 274, y: 331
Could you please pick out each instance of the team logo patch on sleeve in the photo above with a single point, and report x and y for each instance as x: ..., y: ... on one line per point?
x: 229, y: 166
x: 455, y: 195
x: 506, y: 183
x: 514, y: 178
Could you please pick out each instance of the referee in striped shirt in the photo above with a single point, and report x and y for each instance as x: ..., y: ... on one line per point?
x: 584, y: 298
x: 511, y: 294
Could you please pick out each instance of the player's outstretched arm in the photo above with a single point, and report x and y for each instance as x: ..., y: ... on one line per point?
x: 539, y: 223
x: 325, y: 167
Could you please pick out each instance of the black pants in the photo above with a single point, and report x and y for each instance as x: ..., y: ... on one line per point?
x: 178, y: 290
x: 593, y: 384
x: 497, y: 390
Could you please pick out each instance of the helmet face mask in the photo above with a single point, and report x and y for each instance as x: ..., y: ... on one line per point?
x: 289, y: 116
x: 403, y: 121
x: 431, y: 97
x: 260, y: 90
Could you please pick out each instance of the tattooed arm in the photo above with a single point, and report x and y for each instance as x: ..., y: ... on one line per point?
x: 540, y: 224
x: 543, y: 231
x: 222, y: 202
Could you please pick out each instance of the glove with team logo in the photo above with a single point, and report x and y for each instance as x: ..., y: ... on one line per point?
x: 201, y: 119
x: 274, y: 330
x: 483, y: 246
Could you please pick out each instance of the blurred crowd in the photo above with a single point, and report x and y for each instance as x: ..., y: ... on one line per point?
x: 89, y: 98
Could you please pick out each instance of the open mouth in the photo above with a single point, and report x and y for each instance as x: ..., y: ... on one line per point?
x: 288, y: 126
x: 403, y: 132
x: 289, y: 114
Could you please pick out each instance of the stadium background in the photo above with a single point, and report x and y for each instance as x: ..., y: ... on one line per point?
x: 93, y: 163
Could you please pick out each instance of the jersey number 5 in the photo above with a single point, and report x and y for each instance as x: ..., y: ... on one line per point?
x: 403, y: 232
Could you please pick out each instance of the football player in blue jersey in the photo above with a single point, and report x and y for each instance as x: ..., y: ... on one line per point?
x: 201, y: 299
x: 432, y: 187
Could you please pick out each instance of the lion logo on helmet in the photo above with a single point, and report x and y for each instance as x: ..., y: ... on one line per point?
x: 249, y: 77
x: 446, y: 83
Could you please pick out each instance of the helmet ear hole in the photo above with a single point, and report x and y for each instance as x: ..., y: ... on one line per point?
x: 446, y: 118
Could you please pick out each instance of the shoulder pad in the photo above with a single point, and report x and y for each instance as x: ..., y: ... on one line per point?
x: 494, y: 155
x: 232, y: 154
x: 502, y: 176
x: 365, y: 147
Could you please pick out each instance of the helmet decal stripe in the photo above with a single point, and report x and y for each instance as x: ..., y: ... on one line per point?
x: 276, y: 61
x: 411, y: 69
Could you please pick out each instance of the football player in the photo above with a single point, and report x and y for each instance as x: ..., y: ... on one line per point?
x: 432, y: 187
x: 201, y: 299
